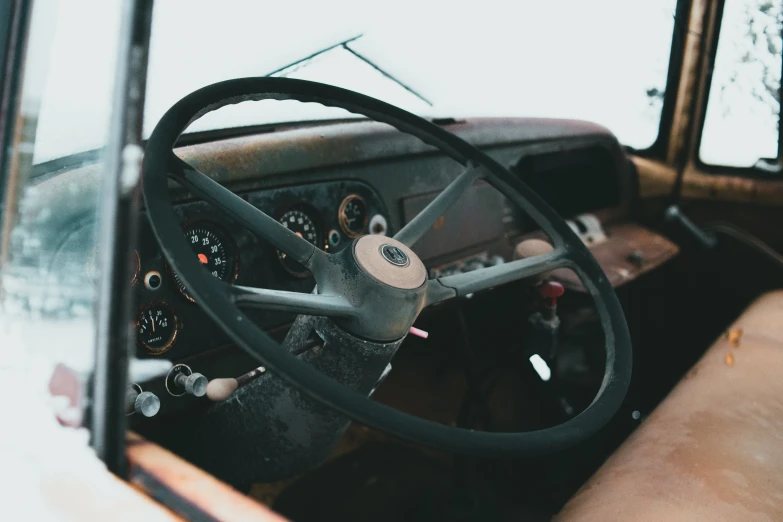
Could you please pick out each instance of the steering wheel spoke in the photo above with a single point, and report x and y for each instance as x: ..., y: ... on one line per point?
x: 295, y: 302
x: 459, y: 285
x: 426, y: 219
x: 252, y: 218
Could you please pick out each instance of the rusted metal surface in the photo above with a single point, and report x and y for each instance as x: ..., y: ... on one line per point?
x: 252, y: 157
x: 699, y: 185
x: 629, y: 251
x: 187, y: 490
x: 711, y: 451
x: 687, y: 89
x: 655, y: 177
x: 658, y: 178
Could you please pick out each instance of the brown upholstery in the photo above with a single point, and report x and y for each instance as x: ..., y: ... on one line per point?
x: 713, y: 450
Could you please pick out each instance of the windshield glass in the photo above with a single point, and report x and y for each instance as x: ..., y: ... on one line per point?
x: 605, y: 61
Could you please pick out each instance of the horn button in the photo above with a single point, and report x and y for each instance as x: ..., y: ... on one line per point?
x: 389, y: 262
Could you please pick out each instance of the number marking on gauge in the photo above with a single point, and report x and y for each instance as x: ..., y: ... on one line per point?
x: 213, y: 249
x: 300, y: 223
x: 157, y: 327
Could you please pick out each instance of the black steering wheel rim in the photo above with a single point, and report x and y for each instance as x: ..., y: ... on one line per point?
x: 219, y: 305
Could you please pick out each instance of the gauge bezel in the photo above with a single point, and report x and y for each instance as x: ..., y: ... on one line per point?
x: 315, y: 216
x: 342, y: 219
x: 142, y: 309
x: 230, y: 243
x: 92, y: 256
x: 136, y: 267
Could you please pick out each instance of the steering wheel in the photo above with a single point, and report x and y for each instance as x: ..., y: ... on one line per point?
x: 375, y: 289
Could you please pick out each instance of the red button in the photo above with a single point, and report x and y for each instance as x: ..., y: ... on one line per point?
x: 550, y: 291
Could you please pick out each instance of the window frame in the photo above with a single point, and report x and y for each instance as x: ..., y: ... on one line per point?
x: 14, y: 24
x: 659, y: 148
x: 752, y: 172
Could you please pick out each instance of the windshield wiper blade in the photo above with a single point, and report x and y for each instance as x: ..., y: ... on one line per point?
x: 357, y: 54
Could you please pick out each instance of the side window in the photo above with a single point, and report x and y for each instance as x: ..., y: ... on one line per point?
x: 47, y: 278
x: 741, y: 123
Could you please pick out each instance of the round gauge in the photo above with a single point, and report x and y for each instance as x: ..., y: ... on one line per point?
x: 304, y: 226
x: 214, y: 250
x: 353, y: 216
x: 157, y: 327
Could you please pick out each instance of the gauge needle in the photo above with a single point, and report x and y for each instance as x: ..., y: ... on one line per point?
x: 153, y: 321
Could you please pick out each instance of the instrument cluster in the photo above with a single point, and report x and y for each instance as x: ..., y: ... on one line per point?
x: 329, y: 215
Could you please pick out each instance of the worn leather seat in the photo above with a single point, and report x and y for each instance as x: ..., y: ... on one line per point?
x: 713, y: 450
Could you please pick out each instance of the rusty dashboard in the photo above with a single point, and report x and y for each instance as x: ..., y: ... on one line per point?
x: 332, y: 183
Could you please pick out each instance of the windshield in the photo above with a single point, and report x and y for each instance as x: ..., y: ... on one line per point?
x: 605, y: 61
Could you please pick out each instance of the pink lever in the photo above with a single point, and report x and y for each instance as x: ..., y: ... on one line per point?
x: 419, y: 333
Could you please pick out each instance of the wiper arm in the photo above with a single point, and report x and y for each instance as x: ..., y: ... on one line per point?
x: 386, y: 74
x: 357, y: 54
x: 309, y: 57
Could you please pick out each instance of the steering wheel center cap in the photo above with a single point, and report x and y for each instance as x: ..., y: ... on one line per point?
x: 389, y: 262
x: 394, y: 255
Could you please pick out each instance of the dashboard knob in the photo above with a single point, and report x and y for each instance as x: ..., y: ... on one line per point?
x: 141, y: 402
x: 194, y: 384
x: 532, y: 248
x: 220, y: 389
x: 550, y: 291
x: 147, y: 404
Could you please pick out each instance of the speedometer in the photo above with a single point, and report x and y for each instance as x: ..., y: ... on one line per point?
x: 300, y: 222
x: 214, y: 250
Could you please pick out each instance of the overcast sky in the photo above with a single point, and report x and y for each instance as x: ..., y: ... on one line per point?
x: 575, y: 59
x: 591, y: 60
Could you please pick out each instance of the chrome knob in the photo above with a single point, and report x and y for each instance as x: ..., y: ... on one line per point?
x: 147, y: 404
x: 194, y: 384
x: 141, y: 402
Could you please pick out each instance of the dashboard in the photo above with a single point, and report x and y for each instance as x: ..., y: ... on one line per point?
x: 330, y: 184
x: 329, y: 215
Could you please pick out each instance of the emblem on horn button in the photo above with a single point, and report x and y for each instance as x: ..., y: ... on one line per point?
x: 394, y: 255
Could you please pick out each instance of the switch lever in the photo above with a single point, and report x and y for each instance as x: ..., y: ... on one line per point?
x: 220, y: 389
x: 674, y: 215
x: 545, y: 324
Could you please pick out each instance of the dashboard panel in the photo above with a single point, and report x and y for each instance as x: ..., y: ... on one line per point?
x: 340, y: 180
x: 235, y: 255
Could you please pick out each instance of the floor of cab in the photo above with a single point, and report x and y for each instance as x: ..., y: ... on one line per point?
x: 384, y: 481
